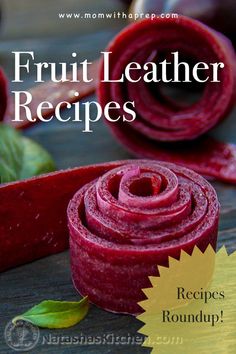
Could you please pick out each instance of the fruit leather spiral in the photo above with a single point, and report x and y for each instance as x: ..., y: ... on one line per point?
x: 131, y: 219
x: 165, y: 129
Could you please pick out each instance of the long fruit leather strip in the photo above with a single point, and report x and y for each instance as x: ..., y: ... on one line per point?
x: 161, y: 125
x: 33, y: 214
x: 207, y: 156
x: 54, y: 93
x: 131, y: 219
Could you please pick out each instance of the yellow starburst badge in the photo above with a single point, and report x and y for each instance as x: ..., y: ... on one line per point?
x: 191, y: 306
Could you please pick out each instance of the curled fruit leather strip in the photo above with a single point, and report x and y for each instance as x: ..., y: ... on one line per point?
x: 131, y: 219
x: 165, y: 129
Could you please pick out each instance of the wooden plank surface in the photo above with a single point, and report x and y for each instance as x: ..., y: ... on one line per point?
x: 49, y: 278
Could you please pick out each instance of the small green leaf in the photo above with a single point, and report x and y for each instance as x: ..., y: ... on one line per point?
x: 21, y: 157
x: 11, y: 154
x: 56, y: 314
x: 36, y: 160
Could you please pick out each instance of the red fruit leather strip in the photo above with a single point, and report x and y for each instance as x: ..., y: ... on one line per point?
x: 33, y: 214
x: 207, y: 156
x: 55, y: 93
x: 129, y: 220
x: 158, y: 120
x: 3, y: 94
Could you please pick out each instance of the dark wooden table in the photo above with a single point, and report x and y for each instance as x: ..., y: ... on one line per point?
x: 49, y: 278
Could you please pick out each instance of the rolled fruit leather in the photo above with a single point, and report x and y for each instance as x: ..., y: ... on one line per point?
x: 131, y: 219
x: 159, y: 118
x: 218, y: 14
x: 165, y: 129
x: 34, y: 220
x: 3, y: 94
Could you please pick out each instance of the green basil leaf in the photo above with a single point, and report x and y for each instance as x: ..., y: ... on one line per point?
x: 56, y: 314
x: 11, y: 154
x: 21, y: 157
x: 36, y: 160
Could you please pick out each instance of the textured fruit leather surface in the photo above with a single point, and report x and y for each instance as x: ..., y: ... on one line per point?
x: 33, y: 214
